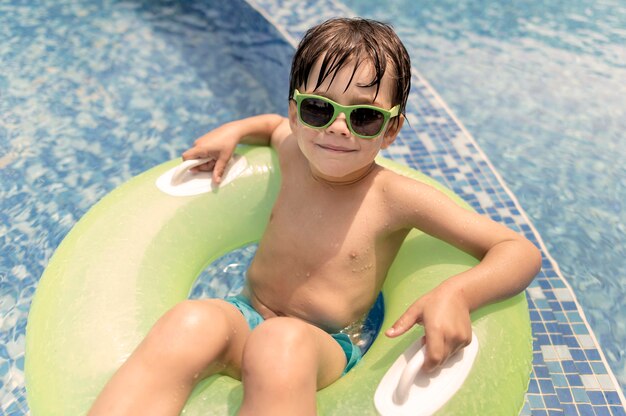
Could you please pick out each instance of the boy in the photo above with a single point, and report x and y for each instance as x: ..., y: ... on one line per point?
x: 334, y: 231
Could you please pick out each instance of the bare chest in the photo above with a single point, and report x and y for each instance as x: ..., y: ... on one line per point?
x: 320, y: 227
x: 325, y: 252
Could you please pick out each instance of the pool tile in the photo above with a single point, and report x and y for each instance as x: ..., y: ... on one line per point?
x: 598, y: 367
x: 564, y: 395
x: 551, y: 401
x: 596, y: 397
x: 568, y: 366
x: 547, y: 387
x: 605, y: 381
x: 536, y: 402
x: 559, y: 380
x: 618, y: 411
x: 590, y: 382
x: 592, y: 354
x: 574, y: 380
x: 601, y: 411
x: 585, y: 410
x: 584, y: 368
x: 611, y: 397
x: 580, y: 396
x: 569, y: 409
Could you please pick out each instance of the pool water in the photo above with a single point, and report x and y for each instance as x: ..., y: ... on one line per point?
x: 93, y: 93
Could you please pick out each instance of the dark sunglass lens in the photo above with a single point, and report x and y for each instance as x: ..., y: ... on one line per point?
x: 315, y: 112
x: 366, y: 121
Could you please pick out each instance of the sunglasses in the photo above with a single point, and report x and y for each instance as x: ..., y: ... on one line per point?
x: 364, y: 121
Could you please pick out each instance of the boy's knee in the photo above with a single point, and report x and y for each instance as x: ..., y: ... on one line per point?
x: 280, y: 347
x: 190, y: 325
x: 289, y: 332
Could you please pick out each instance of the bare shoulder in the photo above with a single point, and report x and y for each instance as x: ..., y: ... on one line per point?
x: 280, y: 133
x: 416, y: 204
x: 286, y: 146
x: 399, y: 188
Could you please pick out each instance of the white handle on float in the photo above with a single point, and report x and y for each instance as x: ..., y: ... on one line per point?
x: 405, y: 390
x: 179, y: 181
x: 179, y: 172
x: 401, y: 392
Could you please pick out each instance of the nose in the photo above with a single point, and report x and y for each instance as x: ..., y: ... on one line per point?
x: 339, y: 126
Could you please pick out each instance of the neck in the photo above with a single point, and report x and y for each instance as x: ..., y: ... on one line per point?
x: 350, y: 180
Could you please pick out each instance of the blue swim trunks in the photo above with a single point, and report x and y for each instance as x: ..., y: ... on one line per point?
x: 353, y: 353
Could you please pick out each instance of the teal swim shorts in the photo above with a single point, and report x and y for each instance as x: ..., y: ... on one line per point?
x: 353, y: 353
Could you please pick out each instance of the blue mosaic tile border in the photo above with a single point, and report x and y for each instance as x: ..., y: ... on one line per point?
x: 570, y: 374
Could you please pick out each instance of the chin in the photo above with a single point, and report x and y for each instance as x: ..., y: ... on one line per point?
x: 336, y: 169
x: 330, y: 169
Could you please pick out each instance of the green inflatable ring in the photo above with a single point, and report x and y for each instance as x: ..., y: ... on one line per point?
x: 137, y: 253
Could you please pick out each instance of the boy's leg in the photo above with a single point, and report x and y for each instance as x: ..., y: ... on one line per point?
x: 190, y: 342
x: 285, y: 361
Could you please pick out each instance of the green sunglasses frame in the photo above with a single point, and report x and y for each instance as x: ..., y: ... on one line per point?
x: 347, y: 110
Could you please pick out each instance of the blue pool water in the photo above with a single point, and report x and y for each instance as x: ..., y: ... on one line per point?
x: 93, y: 93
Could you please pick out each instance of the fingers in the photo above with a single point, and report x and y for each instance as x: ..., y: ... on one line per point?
x: 446, y: 332
x: 412, y: 316
x: 436, y: 351
x: 202, y: 152
x: 440, y: 347
x: 218, y: 170
x: 205, y: 167
x: 217, y: 161
x: 195, y: 153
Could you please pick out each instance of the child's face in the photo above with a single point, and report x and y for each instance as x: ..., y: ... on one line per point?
x: 334, y: 153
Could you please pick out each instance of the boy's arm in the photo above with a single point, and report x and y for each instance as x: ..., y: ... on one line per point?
x: 219, y: 144
x: 508, y: 263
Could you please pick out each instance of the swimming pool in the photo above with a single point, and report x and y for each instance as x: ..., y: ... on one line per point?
x: 94, y: 93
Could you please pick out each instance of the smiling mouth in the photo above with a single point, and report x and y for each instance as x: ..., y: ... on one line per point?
x: 337, y: 149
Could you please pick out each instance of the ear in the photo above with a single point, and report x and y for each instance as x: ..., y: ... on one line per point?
x: 293, y: 115
x: 392, y: 132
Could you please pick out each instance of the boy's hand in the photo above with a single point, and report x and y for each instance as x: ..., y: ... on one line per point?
x: 446, y: 320
x: 217, y: 145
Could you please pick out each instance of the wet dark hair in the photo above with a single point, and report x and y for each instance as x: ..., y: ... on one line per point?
x: 341, y: 41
